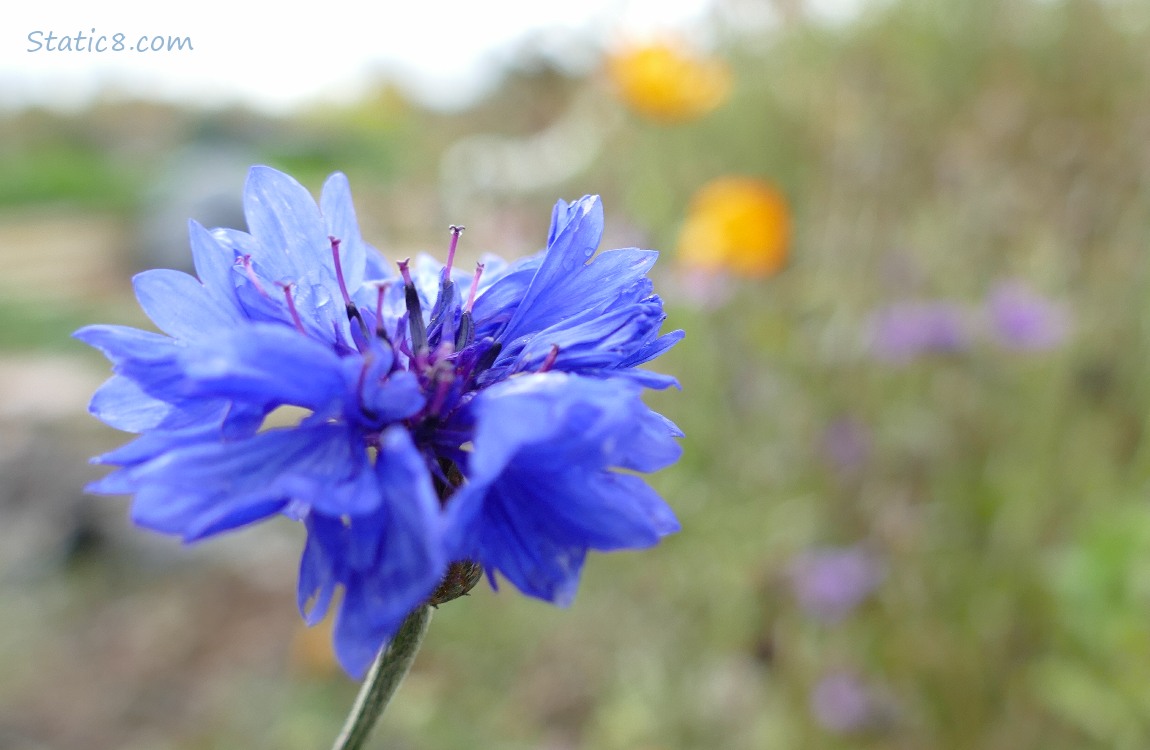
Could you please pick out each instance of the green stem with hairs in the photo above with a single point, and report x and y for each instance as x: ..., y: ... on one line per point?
x: 387, y: 671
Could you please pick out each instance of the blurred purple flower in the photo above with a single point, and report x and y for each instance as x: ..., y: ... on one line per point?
x: 842, y: 704
x: 847, y: 444
x: 829, y: 583
x: 905, y: 330
x: 1023, y: 319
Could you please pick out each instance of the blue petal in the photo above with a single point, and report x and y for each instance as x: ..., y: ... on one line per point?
x: 574, y: 237
x: 121, y: 343
x: 237, y: 243
x: 387, y: 396
x: 388, y: 561
x: 627, y: 367
x: 592, y: 290
x: 195, y: 516
x: 513, y: 413
x: 235, y: 516
x: 412, y: 559
x: 601, y: 313
x: 376, y: 268
x: 317, y: 572
x: 652, y: 445
x: 268, y: 364
x: 284, y: 219
x: 148, y: 446
x: 215, y: 265
x: 179, y: 304
x: 116, y: 483
x: 321, y: 310
x: 192, y: 422
x: 654, y: 348
x: 536, y: 529
x: 645, y: 378
x: 340, y: 222
x: 358, y: 634
x: 495, y: 306
x: 192, y: 489
x: 122, y: 404
x: 603, y: 341
x: 610, y: 511
x: 540, y: 489
x: 148, y: 358
x: 565, y: 216
x: 536, y: 563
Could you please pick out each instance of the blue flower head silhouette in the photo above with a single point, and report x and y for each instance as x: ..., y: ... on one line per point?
x: 452, y: 422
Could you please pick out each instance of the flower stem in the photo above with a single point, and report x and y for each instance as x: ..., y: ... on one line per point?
x: 388, y: 670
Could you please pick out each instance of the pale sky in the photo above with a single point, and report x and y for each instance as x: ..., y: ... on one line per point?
x: 271, y: 56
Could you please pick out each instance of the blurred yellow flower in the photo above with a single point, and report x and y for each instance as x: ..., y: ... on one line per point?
x: 736, y: 224
x: 665, y: 81
x: 311, y: 652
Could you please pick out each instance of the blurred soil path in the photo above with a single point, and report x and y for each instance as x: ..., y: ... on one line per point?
x: 55, y: 255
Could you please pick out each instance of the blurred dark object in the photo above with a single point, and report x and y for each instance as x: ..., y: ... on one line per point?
x: 44, y: 517
x: 198, y: 181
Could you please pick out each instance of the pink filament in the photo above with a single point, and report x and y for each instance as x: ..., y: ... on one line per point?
x: 474, y: 287
x: 339, y: 270
x: 291, y: 308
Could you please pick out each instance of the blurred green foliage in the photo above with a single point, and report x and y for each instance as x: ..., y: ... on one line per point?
x: 24, y: 326
x: 928, y: 149
x: 66, y: 173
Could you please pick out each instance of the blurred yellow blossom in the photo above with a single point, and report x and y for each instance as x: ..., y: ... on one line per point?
x: 311, y: 652
x: 736, y: 224
x: 665, y: 81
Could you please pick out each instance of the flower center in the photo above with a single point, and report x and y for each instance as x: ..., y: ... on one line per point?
x: 441, y: 352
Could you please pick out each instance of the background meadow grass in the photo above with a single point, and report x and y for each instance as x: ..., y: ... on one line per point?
x: 928, y: 151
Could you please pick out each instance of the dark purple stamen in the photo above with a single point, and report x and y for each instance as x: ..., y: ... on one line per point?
x: 466, y: 332
x: 353, y: 314
x: 291, y: 307
x: 360, y: 385
x: 415, y: 323
x: 488, y: 357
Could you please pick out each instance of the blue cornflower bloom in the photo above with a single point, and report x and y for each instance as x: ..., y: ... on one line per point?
x: 447, y: 419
